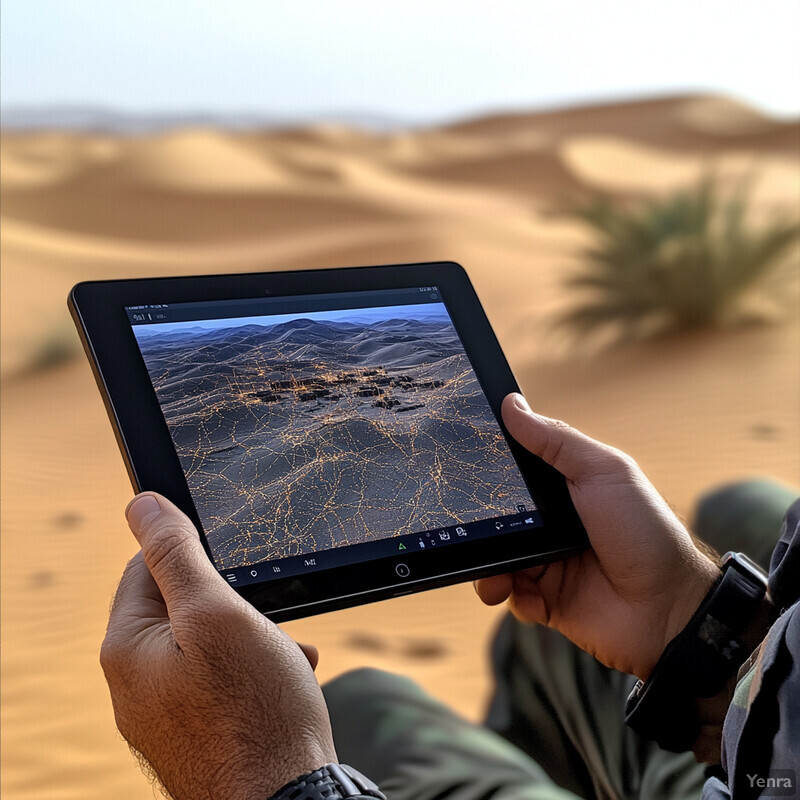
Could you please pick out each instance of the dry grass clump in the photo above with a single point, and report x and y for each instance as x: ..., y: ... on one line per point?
x: 689, y: 261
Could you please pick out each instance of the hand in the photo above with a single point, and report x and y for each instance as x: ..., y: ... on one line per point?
x: 642, y: 579
x: 217, y: 698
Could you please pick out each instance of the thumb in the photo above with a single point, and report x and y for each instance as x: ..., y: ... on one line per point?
x: 172, y: 550
x: 576, y: 456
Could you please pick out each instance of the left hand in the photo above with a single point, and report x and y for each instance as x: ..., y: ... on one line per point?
x: 219, y: 700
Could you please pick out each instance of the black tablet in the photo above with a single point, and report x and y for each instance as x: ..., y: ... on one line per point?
x: 334, y: 434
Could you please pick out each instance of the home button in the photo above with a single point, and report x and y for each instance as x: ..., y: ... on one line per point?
x: 402, y: 570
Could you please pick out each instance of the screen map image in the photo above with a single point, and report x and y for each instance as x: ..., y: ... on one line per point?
x: 299, y: 433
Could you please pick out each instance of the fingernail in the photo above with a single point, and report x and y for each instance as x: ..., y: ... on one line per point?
x: 141, y: 510
x: 521, y: 403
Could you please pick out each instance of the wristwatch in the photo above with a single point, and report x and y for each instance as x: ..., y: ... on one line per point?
x: 701, y: 659
x: 331, y: 782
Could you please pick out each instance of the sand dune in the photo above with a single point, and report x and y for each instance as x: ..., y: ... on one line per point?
x: 200, y: 161
x: 689, y: 122
x: 40, y: 160
x: 694, y: 410
x: 522, y: 171
x: 615, y: 164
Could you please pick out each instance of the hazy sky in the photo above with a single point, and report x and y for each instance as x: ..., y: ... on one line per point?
x: 419, y: 59
x: 365, y: 316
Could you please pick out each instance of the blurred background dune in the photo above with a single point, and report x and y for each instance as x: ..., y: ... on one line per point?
x: 98, y: 199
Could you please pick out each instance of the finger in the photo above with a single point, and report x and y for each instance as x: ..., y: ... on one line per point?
x: 311, y: 653
x: 137, y: 605
x: 529, y: 606
x: 172, y: 551
x: 136, y: 588
x: 494, y: 590
x: 571, y: 452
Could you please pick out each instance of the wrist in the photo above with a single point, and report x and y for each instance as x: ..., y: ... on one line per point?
x: 260, y: 777
x: 698, y: 669
x: 686, y: 598
x: 287, y: 770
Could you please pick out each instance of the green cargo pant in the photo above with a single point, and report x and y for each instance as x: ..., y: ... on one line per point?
x: 555, y: 727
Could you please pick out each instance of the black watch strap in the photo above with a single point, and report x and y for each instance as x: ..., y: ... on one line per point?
x: 331, y: 782
x: 700, y: 660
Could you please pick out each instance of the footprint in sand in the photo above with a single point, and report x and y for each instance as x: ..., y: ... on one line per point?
x: 414, y: 648
x: 42, y: 579
x: 68, y: 520
x: 764, y: 430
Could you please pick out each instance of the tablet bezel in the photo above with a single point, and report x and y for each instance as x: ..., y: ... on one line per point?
x: 98, y: 309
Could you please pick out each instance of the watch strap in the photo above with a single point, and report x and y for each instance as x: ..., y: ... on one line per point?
x: 331, y: 782
x: 701, y: 660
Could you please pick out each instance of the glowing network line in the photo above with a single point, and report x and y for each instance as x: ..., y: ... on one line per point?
x: 284, y: 460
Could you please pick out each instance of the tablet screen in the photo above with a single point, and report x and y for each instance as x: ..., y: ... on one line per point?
x: 328, y: 429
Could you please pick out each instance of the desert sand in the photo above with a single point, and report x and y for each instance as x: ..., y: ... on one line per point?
x: 695, y: 410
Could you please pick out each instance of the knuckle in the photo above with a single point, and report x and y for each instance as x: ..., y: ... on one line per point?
x: 165, y: 545
x: 554, y: 445
x: 113, y: 654
x: 625, y: 462
x: 108, y: 656
x: 612, y: 461
x: 204, y: 617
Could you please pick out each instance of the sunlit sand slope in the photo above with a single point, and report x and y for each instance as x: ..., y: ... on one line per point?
x: 695, y: 410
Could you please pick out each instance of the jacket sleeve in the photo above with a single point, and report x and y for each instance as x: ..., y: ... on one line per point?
x: 761, y: 736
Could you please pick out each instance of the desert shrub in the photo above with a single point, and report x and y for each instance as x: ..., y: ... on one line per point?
x: 687, y: 261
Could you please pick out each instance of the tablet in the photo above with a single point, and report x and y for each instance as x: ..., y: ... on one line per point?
x: 334, y: 434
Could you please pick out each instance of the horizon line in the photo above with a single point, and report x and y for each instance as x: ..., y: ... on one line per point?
x: 119, y: 119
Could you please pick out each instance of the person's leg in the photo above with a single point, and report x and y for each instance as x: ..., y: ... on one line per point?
x: 415, y: 748
x: 565, y: 710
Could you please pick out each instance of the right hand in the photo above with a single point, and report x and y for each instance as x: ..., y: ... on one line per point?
x: 637, y: 586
